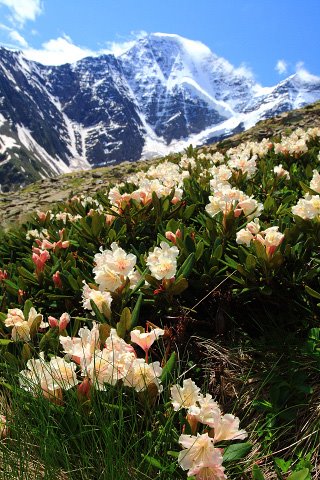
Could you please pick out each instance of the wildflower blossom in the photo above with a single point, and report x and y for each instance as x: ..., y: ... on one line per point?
x: 21, y: 326
x: 162, y: 261
x: 185, y: 396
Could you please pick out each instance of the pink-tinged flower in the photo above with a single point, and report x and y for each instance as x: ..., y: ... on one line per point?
x: 271, y: 239
x: 162, y: 261
x: 42, y: 215
x: 226, y: 427
x: 212, y: 472
x: 185, y: 396
x: 141, y: 374
x: 57, y: 280
x: 82, y: 348
x: 61, y: 323
x: 281, y: 172
x: 3, y: 275
x: 39, y: 258
x: 199, y: 452
x: 172, y: 237
x: 206, y: 411
x: 101, y: 299
x: 84, y: 388
x: 145, y: 340
x: 21, y: 326
x: 109, y: 366
x: 110, y: 219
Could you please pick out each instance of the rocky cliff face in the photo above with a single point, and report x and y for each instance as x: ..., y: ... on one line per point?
x: 161, y: 95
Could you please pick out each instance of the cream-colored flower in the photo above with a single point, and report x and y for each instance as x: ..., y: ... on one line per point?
x: 244, y: 237
x: 81, y: 348
x: 141, y: 374
x: 100, y: 299
x: 162, y: 261
x: 108, y: 367
x: 21, y: 326
x: 226, y: 427
x: 185, y: 396
x: 206, y: 411
x: 63, y: 373
x: 199, y: 451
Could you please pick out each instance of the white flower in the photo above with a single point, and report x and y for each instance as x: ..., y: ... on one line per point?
x: 281, y: 172
x: 21, y: 326
x: 63, y: 373
x: 244, y: 237
x: 185, y: 396
x: 113, y: 267
x: 141, y: 374
x: 162, y: 261
x: 199, y: 451
x: 207, y: 411
x: 315, y: 182
x: 99, y: 298
x: 226, y: 427
x: 108, y: 367
x: 81, y: 348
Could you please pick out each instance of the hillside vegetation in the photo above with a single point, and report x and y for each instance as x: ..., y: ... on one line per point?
x: 167, y: 325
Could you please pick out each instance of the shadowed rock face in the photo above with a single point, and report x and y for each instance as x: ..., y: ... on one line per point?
x: 103, y: 110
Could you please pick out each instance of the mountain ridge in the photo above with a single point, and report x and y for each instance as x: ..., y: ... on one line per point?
x: 162, y: 94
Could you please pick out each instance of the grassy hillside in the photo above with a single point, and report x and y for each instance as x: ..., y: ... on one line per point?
x: 166, y: 325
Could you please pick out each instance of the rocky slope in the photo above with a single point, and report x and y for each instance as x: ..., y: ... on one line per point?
x: 16, y: 206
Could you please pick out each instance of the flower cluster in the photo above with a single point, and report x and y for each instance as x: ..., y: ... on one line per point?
x: 200, y: 455
x: 21, y: 325
x: 113, y: 268
x: 162, y: 261
x: 271, y: 238
x: 308, y: 207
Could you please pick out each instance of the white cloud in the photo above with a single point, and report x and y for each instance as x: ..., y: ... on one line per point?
x: 16, y: 37
x: 23, y: 10
x: 281, y: 67
x: 304, y: 74
x: 117, y: 48
x: 58, y: 51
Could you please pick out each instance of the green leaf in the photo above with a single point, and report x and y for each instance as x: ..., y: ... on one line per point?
x: 96, y: 225
x: 153, y: 461
x: 35, y: 325
x: 300, y: 475
x: 251, y: 262
x: 257, y: 473
x: 5, y: 341
x: 126, y: 318
x: 27, y: 307
x: 97, y: 312
x: 179, y: 286
x: 199, y: 250
x: 312, y: 292
x: 187, y: 266
x: 27, y: 275
x: 188, y: 212
x: 218, y: 252
x: 136, y: 312
x: 236, y: 451
x: 73, y: 283
x: 167, y: 369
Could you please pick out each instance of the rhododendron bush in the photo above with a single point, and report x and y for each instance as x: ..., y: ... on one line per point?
x: 99, y: 294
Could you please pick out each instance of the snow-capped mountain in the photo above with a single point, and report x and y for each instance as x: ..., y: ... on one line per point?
x: 162, y: 94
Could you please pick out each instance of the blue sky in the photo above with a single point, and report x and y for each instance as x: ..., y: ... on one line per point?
x: 272, y: 38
